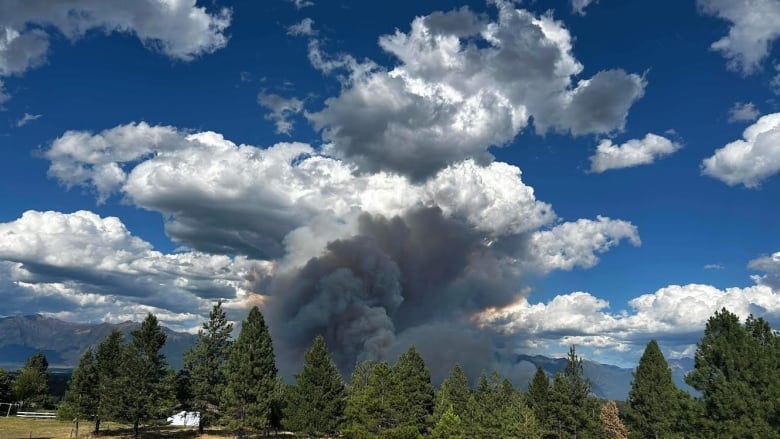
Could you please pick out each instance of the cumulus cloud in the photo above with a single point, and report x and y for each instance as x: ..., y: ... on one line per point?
x: 770, y: 266
x: 300, y: 4
x: 83, y: 259
x: 578, y: 6
x: 465, y: 83
x: 754, y: 26
x: 674, y: 315
x: 281, y: 110
x: 362, y: 258
x: 743, y: 112
x: 27, y: 118
x: 634, y: 152
x: 750, y: 160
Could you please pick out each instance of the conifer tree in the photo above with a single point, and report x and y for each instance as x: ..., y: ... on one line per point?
x: 31, y: 385
x: 355, y: 415
x: 6, y: 395
x: 146, y: 385
x: 610, y: 421
x: 449, y: 426
x: 454, y: 391
x: 204, y: 364
x: 109, y: 358
x: 383, y: 399
x: 653, y: 401
x: 81, y: 399
x: 315, y: 403
x: 573, y: 411
x: 539, y: 396
x: 250, y: 373
x: 417, y: 389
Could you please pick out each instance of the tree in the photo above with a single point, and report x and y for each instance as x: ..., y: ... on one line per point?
x: 315, y: 403
x: 383, y: 399
x: 653, y: 401
x: 355, y: 415
x: 418, y: 395
x: 573, y: 411
x: 539, y: 396
x: 204, y: 364
x: 81, y: 399
x: 454, y: 391
x: 449, y: 426
x: 6, y: 394
x: 737, y: 370
x: 147, y: 382
x: 250, y: 374
x: 31, y: 385
x: 610, y: 421
x: 109, y: 358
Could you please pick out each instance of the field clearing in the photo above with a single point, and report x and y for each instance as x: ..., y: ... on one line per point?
x: 26, y: 428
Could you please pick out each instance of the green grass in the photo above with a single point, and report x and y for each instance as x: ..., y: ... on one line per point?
x: 27, y: 428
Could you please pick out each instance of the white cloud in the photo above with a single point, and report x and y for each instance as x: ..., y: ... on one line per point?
x: 300, y: 4
x: 83, y: 260
x: 177, y: 28
x: 743, y: 112
x: 3, y: 95
x: 27, y: 118
x: 714, y: 267
x: 751, y: 160
x: 578, y: 6
x: 634, y: 152
x: 281, y: 110
x: 675, y: 315
x: 449, y: 99
x: 302, y: 28
x: 755, y: 25
x: 572, y: 244
x: 770, y: 266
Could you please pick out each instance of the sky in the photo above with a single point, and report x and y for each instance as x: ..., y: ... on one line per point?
x: 478, y: 179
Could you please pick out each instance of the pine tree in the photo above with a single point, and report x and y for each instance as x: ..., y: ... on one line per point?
x: 250, y: 373
x: 383, y: 399
x: 315, y: 403
x: 31, y: 385
x: 146, y: 386
x: 109, y: 365
x: 454, y: 391
x: 610, y: 421
x: 449, y: 426
x: 6, y: 393
x: 573, y: 411
x: 737, y: 370
x: 355, y: 415
x: 204, y: 364
x: 653, y: 402
x: 539, y: 396
x: 417, y: 389
x: 81, y: 399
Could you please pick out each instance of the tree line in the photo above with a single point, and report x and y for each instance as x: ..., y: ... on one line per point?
x: 235, y: 383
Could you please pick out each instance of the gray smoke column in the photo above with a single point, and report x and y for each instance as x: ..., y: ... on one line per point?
x: 414, y: 279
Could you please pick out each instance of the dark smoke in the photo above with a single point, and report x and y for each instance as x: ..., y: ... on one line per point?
x: 400, y: 281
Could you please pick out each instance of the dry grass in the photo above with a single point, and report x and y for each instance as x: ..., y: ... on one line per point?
x: 25, y: 428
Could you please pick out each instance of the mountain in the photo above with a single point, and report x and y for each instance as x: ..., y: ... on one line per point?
x: 64, y: 342
x: 608, y: 381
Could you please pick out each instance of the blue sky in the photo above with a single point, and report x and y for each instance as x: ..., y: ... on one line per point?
x: 523, y: 175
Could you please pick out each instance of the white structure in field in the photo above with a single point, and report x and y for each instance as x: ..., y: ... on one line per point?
x: 185, y: 419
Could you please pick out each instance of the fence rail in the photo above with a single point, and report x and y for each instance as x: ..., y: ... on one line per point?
x: 42, y: 415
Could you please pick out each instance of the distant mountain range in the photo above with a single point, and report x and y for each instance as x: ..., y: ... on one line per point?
x: 64, y: 342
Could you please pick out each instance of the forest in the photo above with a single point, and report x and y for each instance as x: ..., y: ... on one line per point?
x: 234, y: 383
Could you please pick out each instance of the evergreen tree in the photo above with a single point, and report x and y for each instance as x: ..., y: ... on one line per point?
x: 6, y: 394
x: 610, y: 422
x: 31, y: 385
x: 417, y: 389
x: 355, y: 415
x: 653, y: 401
x: 250, y: 373
x: 146, y: 382
x: 81, y: 399
x: 737, y: 370
x: 315, y: 403
x: 539, y: 396
x: 573, y: 411
x: 454, y: 391
x: 204, y: 364
x: 383, y: 399
x: 449, y: 426
x: 109, y: 365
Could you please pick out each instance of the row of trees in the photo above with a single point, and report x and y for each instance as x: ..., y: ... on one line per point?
x: 235, y: 383
x: 30, y: 386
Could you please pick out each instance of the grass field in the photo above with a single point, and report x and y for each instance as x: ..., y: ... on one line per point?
x: 25, y: 428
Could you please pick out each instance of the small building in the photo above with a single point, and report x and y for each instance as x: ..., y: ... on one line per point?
x: 185, y: 419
